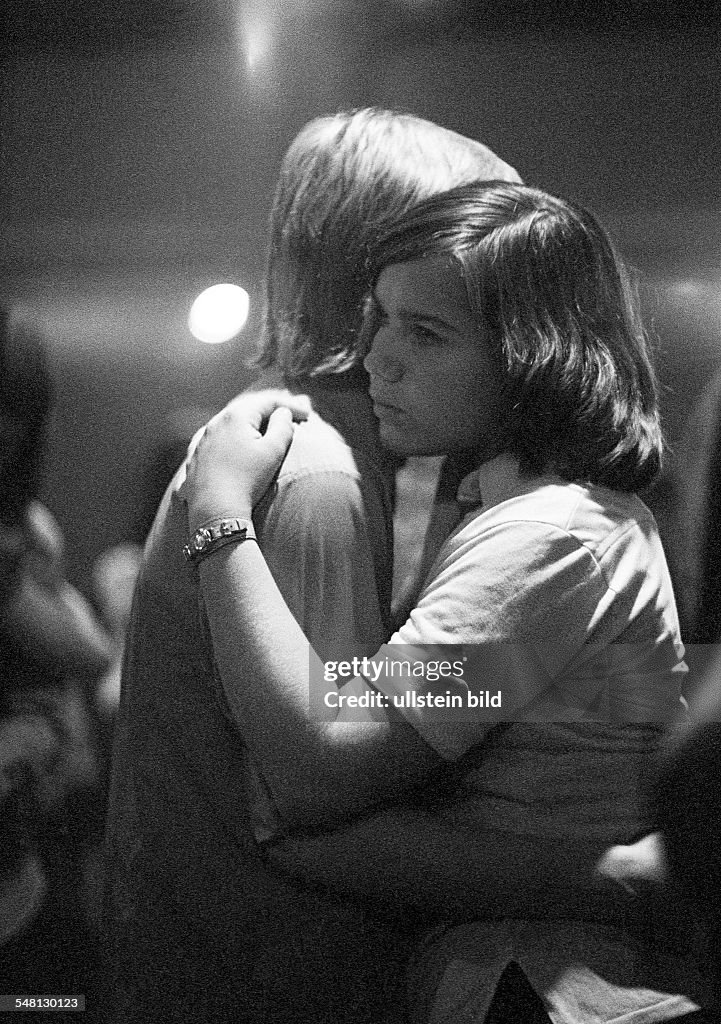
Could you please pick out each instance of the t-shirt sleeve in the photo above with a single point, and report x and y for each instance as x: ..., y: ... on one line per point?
x: 328, y: 540
x: 513, y: 604
x: 328, y: 543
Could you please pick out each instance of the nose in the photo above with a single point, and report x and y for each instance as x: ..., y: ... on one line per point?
x: 381, y: 362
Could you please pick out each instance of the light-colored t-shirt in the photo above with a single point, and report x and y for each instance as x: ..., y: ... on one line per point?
x: 559, y: 598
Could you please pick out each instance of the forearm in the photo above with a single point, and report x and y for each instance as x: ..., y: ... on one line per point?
x: 318, y: 771
x: 404, y: 861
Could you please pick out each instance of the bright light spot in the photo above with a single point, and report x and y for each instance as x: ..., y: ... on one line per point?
x: 688, y: 289
x: 219, y: 313
x: 257, y: 43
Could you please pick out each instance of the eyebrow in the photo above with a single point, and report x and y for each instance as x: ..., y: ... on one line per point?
x: 416, y: 316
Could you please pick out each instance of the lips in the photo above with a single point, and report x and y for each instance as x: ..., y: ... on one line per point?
x: 382, y: 408
x: 382, y: 402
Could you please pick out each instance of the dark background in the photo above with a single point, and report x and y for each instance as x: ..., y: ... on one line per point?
x: 140, y: 143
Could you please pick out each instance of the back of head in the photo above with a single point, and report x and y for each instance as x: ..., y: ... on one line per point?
x: 343, y: 181
x: 554, y: 303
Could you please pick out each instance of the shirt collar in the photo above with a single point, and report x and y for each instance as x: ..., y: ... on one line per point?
x: 493, y: 482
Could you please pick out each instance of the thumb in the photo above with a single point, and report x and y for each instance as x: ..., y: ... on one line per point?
x: 280, y: 429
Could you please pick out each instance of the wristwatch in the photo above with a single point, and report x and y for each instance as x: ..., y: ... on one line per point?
x: 216, y: 535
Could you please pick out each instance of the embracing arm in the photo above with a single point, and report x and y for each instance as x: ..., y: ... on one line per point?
x: 316, y: 769
x: 404, y: 860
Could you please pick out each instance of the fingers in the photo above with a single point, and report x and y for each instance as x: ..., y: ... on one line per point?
x: 637, y: 864
x: 239, y: 452
x: 279, y: 432
x: 254, y: 407
x: 246, y: 415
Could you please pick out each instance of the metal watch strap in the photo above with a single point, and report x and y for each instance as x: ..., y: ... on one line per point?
x: 216, y: 535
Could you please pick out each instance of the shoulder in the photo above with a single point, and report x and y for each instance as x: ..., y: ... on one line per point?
x: 546, y: 558
x: 318, y: 447
x: 324, y: 474
x: 507, y: 500
x: 325, y: 504
x: 554, y: 512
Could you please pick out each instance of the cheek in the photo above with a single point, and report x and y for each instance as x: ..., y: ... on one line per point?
x: 477, y: 397
x: 461, y: 382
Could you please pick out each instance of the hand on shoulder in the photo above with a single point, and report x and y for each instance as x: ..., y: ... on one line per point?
x: 239, y: 452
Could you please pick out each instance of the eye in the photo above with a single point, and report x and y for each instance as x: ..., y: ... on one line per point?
x: 426, y: 335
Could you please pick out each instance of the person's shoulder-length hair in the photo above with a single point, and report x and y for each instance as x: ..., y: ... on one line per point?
x: 555, y: 303
x: 344, y: 180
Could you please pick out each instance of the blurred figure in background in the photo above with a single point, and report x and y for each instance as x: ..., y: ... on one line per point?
x: 52, y: 653
x: 115, y: 572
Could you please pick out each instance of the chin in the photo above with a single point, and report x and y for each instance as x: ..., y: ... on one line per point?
x: 395, y: 444
x: 403, y: 444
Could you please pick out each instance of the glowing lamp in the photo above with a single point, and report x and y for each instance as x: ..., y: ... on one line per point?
x: 219, y: 313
